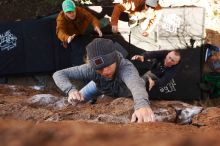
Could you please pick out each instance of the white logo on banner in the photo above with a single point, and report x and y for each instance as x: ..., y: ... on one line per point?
x: 171, y: 22
x: 8, y: 41
x: 170, y: 87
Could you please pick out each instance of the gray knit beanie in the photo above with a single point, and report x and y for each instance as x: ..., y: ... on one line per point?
x: 101, y: 53
x: 151, y: 3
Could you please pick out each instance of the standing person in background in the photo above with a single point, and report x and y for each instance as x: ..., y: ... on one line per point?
x: 212, y: 58
x: 72, y: 22
x: 143, y: 12
x: 142, y: 22
x: 151, y: 15
x: 129, y: 6
x: 146, y: 21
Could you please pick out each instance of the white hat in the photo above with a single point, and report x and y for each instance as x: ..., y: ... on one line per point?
x: 151, y: 3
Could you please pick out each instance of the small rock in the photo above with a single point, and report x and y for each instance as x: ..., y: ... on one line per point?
x: 185, y: 115
x: 53, y: 118
x: 60, y: 104
x: 42, y: 99
x: 112, y: 119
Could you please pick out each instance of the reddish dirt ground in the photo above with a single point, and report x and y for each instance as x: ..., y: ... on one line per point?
x: 23, y: 124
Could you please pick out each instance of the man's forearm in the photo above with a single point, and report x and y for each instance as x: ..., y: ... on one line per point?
x: 62, y: 81
x: 62, y: 78
x: 136, y: 85
x: 118, y: 9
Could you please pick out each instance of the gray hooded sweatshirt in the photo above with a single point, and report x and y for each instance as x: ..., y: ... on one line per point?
x: 126, y: 81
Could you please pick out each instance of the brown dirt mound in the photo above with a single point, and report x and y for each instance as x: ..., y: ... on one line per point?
x: 22, y: 124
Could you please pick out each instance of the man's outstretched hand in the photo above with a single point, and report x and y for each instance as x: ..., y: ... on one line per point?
x: 97, y: 29
x: 138, y: 58
x: 115, y: 29
x: 144, y: 114
x: 151, y: 83
x: 70, y: 38
x: 75, y: 96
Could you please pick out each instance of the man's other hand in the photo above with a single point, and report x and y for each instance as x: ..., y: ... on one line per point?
x: 65, y: 45
x: 138, y: 58
x: 151, y: 83
x: 75, y: 96
x: 115, y: 29
x: 144, y: 114
x: 70, y: 38
x: 145, y: 34
x: 97, y: 29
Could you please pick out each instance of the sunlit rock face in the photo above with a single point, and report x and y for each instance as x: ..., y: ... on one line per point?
x: 109, y: 110
x: 25, y: 112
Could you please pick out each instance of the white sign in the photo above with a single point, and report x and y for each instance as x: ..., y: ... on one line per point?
x: 171, y: 23
x: 170, y: 87
x: 8, y: 41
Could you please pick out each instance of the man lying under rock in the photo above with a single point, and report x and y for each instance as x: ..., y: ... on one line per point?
x: 160, y: 68
x: 109, y: 74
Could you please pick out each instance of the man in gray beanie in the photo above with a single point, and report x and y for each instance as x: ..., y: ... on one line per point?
x: 109, y: 74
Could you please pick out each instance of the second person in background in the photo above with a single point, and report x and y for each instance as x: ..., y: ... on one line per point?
x: 129, y: 6
x: 72, y: 22
x: 143, y: 13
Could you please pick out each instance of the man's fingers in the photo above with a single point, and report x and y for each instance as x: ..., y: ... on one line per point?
x: 97, y: 29
x: 153, y: 118
x: 78, y: 96
x: 114, y: 29
x: 147, y: 119
x: 71, y: 99
x: 81, y: 97
x: 144, y: 114
x: 134, y: 57
x: 134, y: 118
x: 138, y: 57
x: 74, y: 97
x: 71, y: 38
x: 150, y: 87
x: 140, y: 118
x: 151, y: 83
x: 142, y: 59
x: 65, y: 45
x: 100, y: 34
